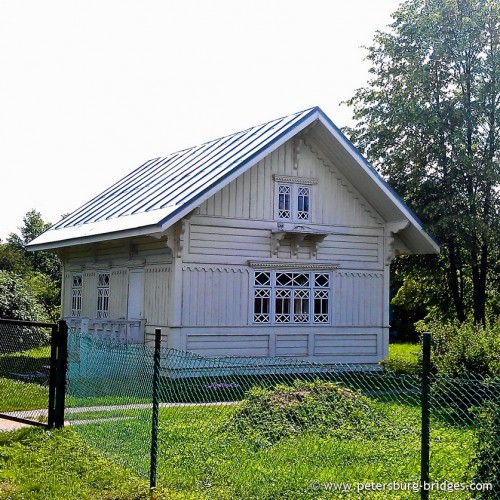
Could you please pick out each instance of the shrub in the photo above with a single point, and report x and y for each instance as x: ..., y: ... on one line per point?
x: 488, y: 448
x: 16, y: 299
x: 460, y: 348
x: 268, y: 415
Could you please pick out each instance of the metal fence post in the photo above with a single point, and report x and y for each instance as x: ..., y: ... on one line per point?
x: 156, y: 402
x: 426, y: 395
x: 52, y: 377
x: 62, y: 362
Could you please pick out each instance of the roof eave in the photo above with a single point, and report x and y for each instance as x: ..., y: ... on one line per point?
x: 426, y: 243
x: 150, y: 230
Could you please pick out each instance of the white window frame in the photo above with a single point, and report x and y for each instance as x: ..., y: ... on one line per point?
x: 76, y: 295
x: 103, y: 293
x: 296, y: 192
x: 291, y: 297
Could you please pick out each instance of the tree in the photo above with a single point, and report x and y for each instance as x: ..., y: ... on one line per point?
x: 35, y: 274
x: 428, y: 121
x: 44, y: 262
x: 16, y: 299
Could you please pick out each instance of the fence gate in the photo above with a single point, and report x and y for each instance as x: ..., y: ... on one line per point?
x: 32, y: 372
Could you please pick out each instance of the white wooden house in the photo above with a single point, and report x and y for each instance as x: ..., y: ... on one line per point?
x: 273, y: 241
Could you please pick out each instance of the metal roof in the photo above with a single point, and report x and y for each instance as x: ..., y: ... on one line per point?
x: 162, y: 190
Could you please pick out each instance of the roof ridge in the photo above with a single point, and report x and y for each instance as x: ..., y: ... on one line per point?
x: 244, y: 131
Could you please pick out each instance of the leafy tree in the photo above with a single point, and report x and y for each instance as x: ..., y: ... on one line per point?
x: 17, y: 300
x: 44, y: 262
x: 428, y: 121
x: 37, y: 274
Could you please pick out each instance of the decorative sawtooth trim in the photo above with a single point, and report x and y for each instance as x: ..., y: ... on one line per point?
x: 115, y: 272
x: 223, y: 269
x: 371, y: 274
x: 158, y: 269
x: 272, y: 264
x: 295, y: 180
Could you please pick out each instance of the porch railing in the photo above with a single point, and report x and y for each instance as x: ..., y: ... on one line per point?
x: 114, y: 330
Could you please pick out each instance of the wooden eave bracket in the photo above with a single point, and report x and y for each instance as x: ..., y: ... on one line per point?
x: 391, y: 248
x: 297, y: 235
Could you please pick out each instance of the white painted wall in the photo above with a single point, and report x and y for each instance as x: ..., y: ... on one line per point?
x: 197, y: 281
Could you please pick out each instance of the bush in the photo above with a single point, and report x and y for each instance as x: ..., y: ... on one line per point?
x: 488, y: 449
x: 268, y: 415
x: 16, y: 299
x: 461, y: 348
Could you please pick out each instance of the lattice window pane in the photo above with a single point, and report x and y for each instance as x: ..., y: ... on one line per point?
x: 284, y: 202
x: 262, y: 279
x: 282, y: 306
x: 284, y: 279
x: 103, y: 280
x: 262, y: 305
x: 300, y: 279
x: 76, y: 295
x: 301, y: 306
x: 321, y: 280
x: 321, y: 314
x: 303, y: 194
x: 103, y: 295
x: 76, y: 302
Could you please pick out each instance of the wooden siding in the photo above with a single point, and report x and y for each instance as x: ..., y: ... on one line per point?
x: 357, y: 298
x: 156, y: 292
x: 252, y: 195
x: 229, y: 241
x: 228, y: 345
x: 331, y: 346
x: 345, y: 345
x: 118, y: 293
x: 89, y: 294
x: 291, y: 345
x: 215, y: 296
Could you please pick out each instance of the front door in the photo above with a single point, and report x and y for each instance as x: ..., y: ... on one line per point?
x: 135, y: 310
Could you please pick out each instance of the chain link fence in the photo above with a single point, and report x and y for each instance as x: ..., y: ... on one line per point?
x: 267, y: 428
x: 25, y: 371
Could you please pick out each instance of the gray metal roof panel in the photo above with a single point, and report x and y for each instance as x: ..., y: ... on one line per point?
x: 178, y: 177
x: 162, y: 190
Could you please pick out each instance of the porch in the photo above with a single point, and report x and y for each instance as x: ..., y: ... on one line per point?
x: 118, y: 330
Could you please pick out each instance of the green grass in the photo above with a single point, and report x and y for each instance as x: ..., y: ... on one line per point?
x: 19, y: 392
x: 198, y: 457
x: 39, y: 465
x: 403, y: 358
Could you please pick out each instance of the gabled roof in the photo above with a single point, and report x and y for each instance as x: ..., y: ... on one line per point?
x: 163, y: 190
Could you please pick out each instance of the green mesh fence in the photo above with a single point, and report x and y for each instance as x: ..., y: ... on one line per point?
x: 24, y: 370
x: 268, y: 428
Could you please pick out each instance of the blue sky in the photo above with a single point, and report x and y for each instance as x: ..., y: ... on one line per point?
x: 90, y: 90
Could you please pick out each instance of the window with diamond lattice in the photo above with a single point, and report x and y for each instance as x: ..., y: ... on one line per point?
x: 294, y: 202
x: 291, y: 297
x: 103, y: 295
x: 76, y: 295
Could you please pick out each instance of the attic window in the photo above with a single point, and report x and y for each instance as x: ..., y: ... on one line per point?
x: 293, y: 198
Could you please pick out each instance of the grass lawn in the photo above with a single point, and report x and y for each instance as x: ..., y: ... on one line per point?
x: 24, y: 379
x: 198, y: 459
x: 403, y: 358
x: 38, y: 465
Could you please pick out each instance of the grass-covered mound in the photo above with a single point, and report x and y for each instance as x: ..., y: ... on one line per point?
x: 268, y: 415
